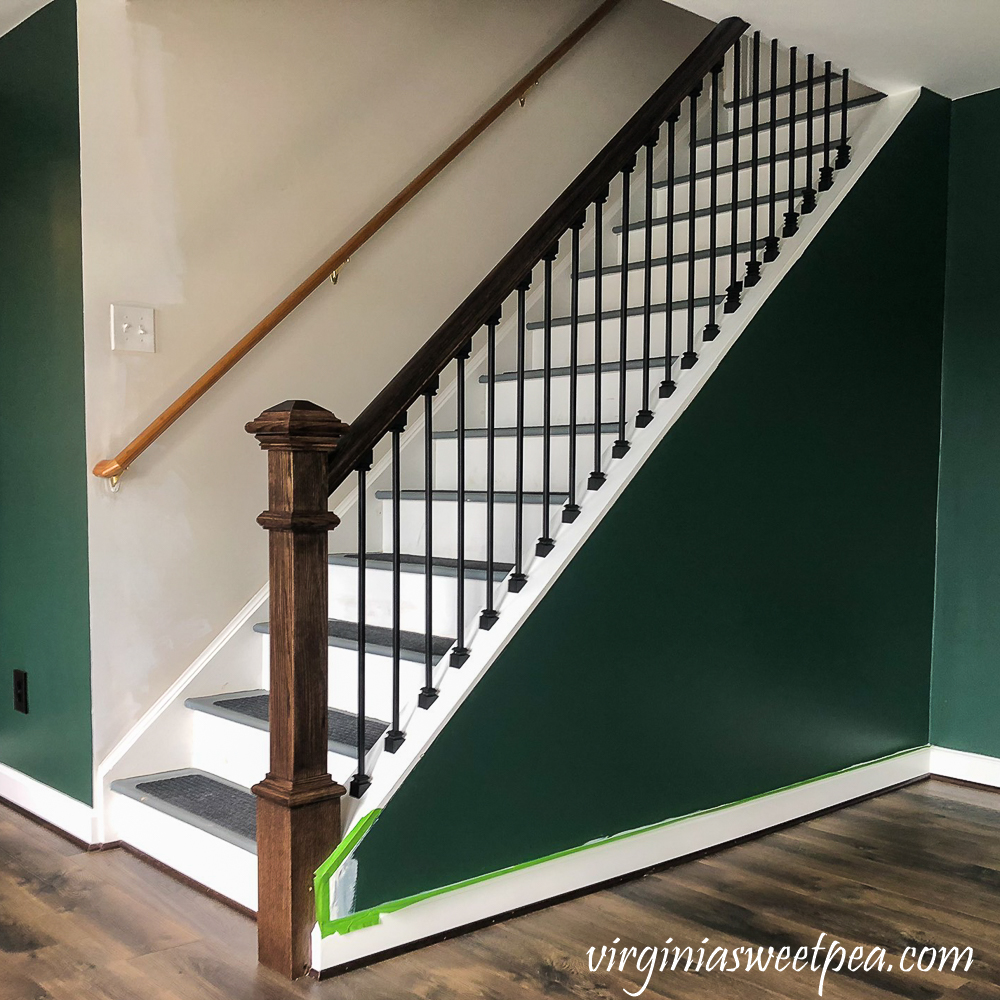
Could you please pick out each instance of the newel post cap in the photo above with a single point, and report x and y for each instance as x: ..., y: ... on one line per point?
x: 297, y: 425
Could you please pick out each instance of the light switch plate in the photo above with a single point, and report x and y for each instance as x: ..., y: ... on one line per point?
x: 132, y: 328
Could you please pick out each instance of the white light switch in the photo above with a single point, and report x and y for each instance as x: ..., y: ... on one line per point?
x: 132, y: 328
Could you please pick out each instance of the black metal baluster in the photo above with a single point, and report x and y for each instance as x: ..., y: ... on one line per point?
x: 791, y: 216
x: 771, y: 245
x: 645, y: 414
x: 809, y: 192
x: 395, y: 736
x: 597, y: 476
x: 620, y: 448
x: 461, y: 653
x: 489, y: 616
x: 361, y: 780
x: 690, y: 357
x: 711, y: 330
x: 826, y: 171
x: 571, y: 511
x: 668, y: 385
x: 753, y: 264
x: 428, y: 693
x: 735, y: 285
x: 517, y: 579
x: 843, y: 150
x: 545, y: 544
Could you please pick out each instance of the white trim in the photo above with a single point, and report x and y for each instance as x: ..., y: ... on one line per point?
x: 612, y: 859
x: 48, y: 804
x: 965, y: 766
x: 209, y: 860
x: 423, y: 727
x: 171, y: 696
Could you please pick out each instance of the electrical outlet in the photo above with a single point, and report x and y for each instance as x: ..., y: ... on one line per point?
x: 21, y: 691
x: 132, y: 328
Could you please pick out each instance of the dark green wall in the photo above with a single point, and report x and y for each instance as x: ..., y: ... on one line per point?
x: 756, y: 609
x: 44, y: 622
x: 966, y: 691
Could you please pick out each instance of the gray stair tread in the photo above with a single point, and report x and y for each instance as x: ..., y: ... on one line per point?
x: 378, y: 640
x: 631, y: 364
x: 556, y: 430
x: 679, y: 258
x: 415, y: 563
x: 475, y: 496
x: 800, y: 116
x: 800, y: 152
x: 250, y: 708
x: 213, y: 804
x: 656, y: 307
x: 661, y: 220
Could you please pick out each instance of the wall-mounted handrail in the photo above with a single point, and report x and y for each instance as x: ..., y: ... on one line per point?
x: 112, y: 468
x: 472, y: 315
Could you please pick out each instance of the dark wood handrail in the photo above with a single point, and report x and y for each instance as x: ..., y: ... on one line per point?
x: 112, y: 468
x: 472, y: 315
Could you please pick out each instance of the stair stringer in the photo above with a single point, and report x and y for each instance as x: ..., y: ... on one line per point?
x: 514, y: 609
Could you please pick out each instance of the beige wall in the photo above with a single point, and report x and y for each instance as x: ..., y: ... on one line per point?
x: 228, y: 147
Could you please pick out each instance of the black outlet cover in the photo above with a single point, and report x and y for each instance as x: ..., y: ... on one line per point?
x: 21, y: 691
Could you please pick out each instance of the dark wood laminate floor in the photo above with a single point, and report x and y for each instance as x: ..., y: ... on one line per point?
x: 913, y: 868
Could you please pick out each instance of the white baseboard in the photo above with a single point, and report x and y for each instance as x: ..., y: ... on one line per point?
x: 400, y: 925
x: 964, y: 766
x: 54, y: 807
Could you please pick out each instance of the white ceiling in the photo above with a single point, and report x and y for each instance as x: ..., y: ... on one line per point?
x: 13, y: 12
x: 950, y: 46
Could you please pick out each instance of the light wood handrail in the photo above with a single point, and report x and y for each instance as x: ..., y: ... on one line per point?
x: 112, y: 468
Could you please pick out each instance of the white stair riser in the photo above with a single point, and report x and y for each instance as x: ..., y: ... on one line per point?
x: 783, y: 101
x: 611, y: 338
x: 378, y: 599
x: 505, y: 462
x: 703, y: 187
x: 782, y: 136
x: 612, y: 291
x: 534, y: 405
x: 702, y: 231
x: 242, y: 753
x: 343, y: 681
x: 209, y: 860
x: 445, y: 514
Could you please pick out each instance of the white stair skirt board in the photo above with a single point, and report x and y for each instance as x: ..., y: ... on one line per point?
x: 591, y: 864
x: 187, y: 849
x: 964, y: 766
x: 54, y: 807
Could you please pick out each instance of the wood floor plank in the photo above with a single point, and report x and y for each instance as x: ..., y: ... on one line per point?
x: 914, y: 920
x: 917, y: 867
x: 733, y: 922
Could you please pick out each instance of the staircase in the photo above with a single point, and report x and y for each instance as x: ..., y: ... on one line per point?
x: 446, y: 515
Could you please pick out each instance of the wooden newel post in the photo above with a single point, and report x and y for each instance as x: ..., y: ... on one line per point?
x: 298, y: 803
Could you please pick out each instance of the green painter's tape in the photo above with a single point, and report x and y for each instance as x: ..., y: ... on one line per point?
x: 325, y: 872
x: 372, y: 916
